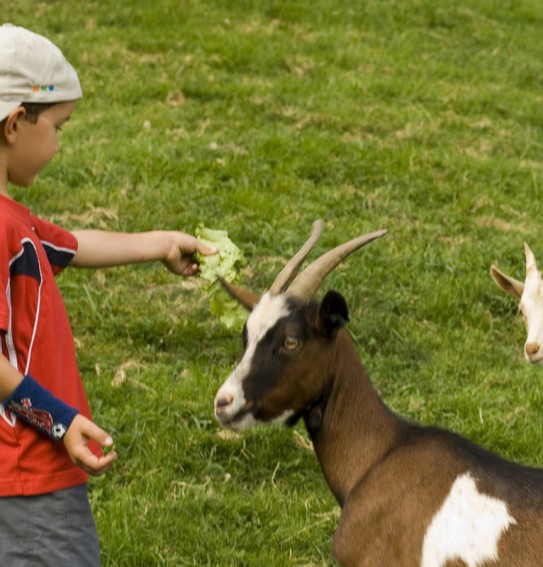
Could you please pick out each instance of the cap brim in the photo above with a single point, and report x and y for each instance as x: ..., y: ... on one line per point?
x: 7, y: 107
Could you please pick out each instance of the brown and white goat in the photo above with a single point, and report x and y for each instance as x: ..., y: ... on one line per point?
x: 410, y: 495
x: 530, y: 296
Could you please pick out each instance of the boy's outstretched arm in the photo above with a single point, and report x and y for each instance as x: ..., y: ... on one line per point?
x: 80, y: 431
x: 98, y: 249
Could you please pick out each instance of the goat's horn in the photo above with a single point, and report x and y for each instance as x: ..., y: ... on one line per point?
x: 306, y: 284
x: 288, y: 273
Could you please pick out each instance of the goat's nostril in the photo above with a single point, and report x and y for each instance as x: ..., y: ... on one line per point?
x: 531, y: 348
x: 224, y: 402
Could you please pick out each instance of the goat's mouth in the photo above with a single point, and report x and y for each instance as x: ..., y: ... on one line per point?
x: 536, y: 361
x: 249, y: 414
x: 233, y: 420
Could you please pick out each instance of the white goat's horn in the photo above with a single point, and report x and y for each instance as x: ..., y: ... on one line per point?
x: 307, y: 283
x: 288, y: 273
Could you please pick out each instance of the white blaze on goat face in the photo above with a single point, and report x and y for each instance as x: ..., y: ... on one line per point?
x: 467, y: 527
x: 269, y: 310
x: 531, y: 305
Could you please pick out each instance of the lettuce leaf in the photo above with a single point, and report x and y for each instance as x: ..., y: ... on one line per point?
x: 230, y: 313
x: 225, y: 264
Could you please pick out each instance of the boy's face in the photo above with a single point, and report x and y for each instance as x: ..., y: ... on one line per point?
x: 37, y: 144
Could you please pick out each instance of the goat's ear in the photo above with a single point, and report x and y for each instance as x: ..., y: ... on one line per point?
x: 246, y: 298
x: 507, y: 283
x: 333, y: 313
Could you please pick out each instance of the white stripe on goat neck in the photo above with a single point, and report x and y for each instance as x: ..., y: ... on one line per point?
x: 468, y: 526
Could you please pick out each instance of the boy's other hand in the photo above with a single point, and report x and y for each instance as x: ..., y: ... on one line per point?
x: 180, y: 258
x: 76, y: 441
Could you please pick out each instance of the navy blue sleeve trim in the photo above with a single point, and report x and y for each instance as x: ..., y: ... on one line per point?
x: 26, y: 263
x: 60, y: 257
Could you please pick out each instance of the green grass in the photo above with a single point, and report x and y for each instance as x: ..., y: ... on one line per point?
x: 421, y: 116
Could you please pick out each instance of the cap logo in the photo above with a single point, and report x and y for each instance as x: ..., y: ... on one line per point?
x: 43, y: 88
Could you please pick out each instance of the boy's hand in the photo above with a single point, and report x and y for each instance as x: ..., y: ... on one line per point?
x: 76, y: 441
x: 180, y: 258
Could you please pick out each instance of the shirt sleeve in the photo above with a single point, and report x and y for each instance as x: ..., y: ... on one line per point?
x: 59, y: 244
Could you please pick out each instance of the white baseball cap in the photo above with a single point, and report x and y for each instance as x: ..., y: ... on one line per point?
x: 33, y: 69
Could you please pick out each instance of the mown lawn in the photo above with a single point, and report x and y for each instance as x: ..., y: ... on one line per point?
x: 420, y: 116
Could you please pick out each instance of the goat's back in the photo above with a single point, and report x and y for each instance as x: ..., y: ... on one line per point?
x: 438, y: 498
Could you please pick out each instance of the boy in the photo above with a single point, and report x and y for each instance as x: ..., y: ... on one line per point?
x: 48, y: 442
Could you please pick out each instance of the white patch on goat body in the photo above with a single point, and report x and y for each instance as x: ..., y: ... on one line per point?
x: 263, y: 317
x: 468, y: 526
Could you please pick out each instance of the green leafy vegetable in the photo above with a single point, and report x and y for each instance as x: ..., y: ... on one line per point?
x: 225, y: 264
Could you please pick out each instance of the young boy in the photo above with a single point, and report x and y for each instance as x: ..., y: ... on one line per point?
x: 48, y: 442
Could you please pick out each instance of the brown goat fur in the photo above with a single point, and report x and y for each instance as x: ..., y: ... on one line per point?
x: 410, y: 495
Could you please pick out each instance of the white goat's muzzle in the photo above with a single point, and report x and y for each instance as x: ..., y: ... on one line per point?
x: 231, y: 408
x: 533, y: 352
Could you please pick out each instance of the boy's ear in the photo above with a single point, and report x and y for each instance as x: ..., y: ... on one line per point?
x: 10, y: 125
x: 333, y: 313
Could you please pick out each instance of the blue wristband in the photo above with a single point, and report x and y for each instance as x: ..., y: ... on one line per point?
x: 35, y: 405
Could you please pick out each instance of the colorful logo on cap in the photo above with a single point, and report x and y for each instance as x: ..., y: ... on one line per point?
x: 43, y: 88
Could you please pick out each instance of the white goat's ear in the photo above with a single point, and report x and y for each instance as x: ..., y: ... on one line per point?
x: 247, y: 298
x: 531, y: 264
x: 333, y: 313
x: 507, y: 283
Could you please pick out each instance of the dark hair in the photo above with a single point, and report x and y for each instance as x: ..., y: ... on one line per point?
x: 34, y: 109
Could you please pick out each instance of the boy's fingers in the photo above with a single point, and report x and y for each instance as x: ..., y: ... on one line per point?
x: 103, y: 464
x: 80, y: 452
x: 205, y: 250
x: 94, y: 465
x: 92, y: 431
x: 190, y: 270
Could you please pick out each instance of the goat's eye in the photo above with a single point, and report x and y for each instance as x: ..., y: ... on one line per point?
x: 291, y: 343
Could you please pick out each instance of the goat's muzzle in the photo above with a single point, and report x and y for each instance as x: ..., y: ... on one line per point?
x: 225, y: 415
x: 223, y: 402
x: 221, y: 407
x: 533, y: 353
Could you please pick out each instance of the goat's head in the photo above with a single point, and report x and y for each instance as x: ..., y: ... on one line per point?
x: 530, y: 294
x: 287, y: 340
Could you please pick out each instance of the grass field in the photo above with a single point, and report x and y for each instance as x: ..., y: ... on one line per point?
x: 420, y: 116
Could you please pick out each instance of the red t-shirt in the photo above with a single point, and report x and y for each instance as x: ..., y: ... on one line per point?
x: 36, y: 337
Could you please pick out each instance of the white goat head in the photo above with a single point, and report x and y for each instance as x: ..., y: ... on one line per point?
x: 285, y: 335
x: 530, y: 293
